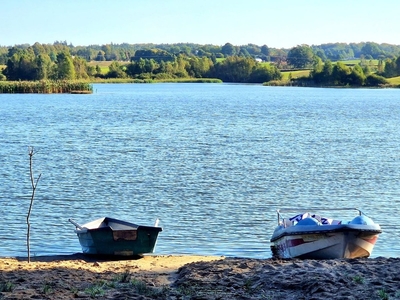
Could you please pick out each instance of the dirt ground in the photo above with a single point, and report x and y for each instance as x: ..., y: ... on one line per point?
x: 197, y: 277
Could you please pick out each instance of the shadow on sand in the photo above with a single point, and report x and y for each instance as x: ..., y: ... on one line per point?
x: 79, y: 256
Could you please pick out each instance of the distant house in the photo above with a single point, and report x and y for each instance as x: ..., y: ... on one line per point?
x: 258, y: 59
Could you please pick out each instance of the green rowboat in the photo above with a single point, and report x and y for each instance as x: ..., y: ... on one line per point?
x: 108, y: 236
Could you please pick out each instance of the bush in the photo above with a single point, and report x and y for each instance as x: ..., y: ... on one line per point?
x: 375, y: 80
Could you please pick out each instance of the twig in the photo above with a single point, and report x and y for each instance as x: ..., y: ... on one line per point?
x: 34, y: 185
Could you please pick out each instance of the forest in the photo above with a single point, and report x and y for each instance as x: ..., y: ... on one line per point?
x: 228, y: 63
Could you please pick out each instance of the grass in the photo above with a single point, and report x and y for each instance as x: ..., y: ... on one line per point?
x: 123, y: 277
x: 394, y: 80
x: 382, y: 294
x: 352, y: 62
x: 143, y: 289
x: 294, y: 74
x: 358, y: 279
x: 126, y: 282
x: 100, y: 63
x: 95, y: 291
x: 47, y: 288
x: 104, y: 65
x: 6, y: 287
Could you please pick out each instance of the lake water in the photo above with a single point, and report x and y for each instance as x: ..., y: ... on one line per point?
x: 212, y: 161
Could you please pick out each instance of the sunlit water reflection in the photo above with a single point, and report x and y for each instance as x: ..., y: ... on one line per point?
x: 212, y: 161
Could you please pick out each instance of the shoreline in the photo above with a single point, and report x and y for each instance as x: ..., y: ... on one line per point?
x: 201, y: 277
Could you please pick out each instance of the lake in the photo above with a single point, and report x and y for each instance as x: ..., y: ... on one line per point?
x: 212, y: 161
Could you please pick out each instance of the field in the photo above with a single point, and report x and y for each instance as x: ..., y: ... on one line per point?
x: 103, y: 65
x: 294, y: 74
x: 394, y: 80
x: 352, y: 62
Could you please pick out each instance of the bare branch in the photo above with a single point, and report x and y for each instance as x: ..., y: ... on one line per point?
x: 34, y: 185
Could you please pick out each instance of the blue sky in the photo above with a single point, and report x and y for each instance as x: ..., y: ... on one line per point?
x: 278, y: 24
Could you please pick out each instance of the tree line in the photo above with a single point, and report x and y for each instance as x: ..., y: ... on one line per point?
x: 125, y: 51
x: 26, y: 64
x: 38, y: 63
x: 338, y: 74
x: 229, y: 63
x: 326, y: 73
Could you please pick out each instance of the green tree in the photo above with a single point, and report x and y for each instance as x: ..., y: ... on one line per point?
x: 318, y: 65
x: 228, y: 50
x: 85, y: 53
x: 65, y: 69
x: 100, y: 56
x: 157, y: 55
x: 180, y: 67
x: 98, y: 70
x: 322, y: 74
x: 357, y: 77
x: 150, y: 65
x: 300, y: 57
x: 243, y: 52
x: 234, y: 69
x: 81, y: 68
x: 44, y: 66
x: 199, y: 66
x: 107, y: 52
x: 53, y: 56
x: 327, y: 69
x: 141, y: 66
x: 91, y: 70
x: 375, y: 80
x: 115, y: 71
x: 21, y: 64
x: 390, y: 68
x: 367, y: 70
x: 265, y: 53
x: 265, y: 50
x: 38, y: 49
x: 341, y: 74
x: 334, y: 51
x: 397, y: 62
x: 372, y: 50
x: 264, y: 73
x: 321, y: 54
x: 132, y: 69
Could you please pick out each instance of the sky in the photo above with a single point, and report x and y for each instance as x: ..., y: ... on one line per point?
x: 277, y: 24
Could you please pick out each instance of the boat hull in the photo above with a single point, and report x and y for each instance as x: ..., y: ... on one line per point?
x: 336, y: 241
x: 117, y: 238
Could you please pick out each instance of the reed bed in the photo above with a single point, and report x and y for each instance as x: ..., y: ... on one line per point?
x: 190, y: 80
x: 170, y: 80
x: 45, y: 87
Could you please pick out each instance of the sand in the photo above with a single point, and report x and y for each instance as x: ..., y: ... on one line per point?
x: 198, y: 277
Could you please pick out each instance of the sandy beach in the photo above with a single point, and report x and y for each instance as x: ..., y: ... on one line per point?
x: 197, y: 277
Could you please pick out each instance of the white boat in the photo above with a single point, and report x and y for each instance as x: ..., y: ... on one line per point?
x: 308, y: 235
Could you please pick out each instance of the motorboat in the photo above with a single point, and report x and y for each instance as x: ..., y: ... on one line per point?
x: 308, y: 235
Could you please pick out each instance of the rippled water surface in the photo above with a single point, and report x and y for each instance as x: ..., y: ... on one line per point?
x: 212, y: 161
